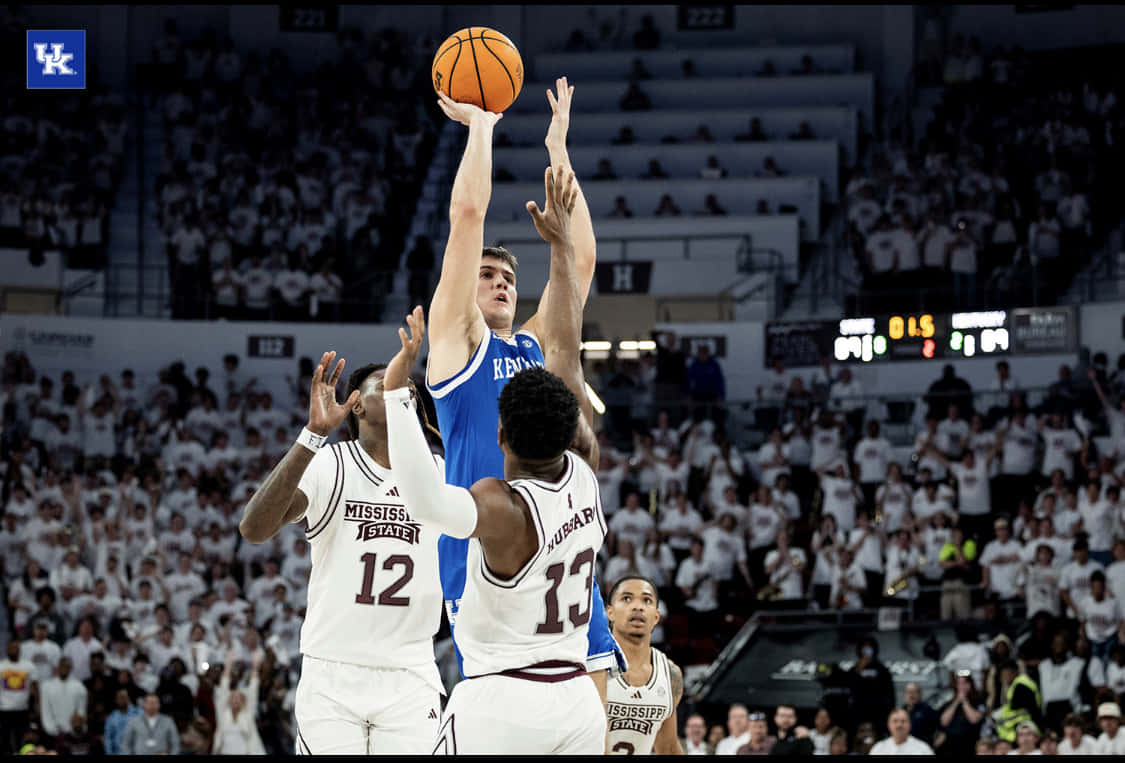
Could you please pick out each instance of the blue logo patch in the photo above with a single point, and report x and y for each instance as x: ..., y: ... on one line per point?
x: 56, y: 59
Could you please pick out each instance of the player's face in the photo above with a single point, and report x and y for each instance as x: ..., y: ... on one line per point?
x: 496, y: 293
x: 633, y: 610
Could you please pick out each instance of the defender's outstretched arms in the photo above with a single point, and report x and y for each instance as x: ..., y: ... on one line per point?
x: 561, y: 333
x: 457, y: 325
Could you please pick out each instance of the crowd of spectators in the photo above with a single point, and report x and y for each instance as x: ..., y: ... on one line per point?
x: 288, y: 194
x: 60, y: 164
x: 1010, y: 184
x: 136, y: 619
x: 997, y: 512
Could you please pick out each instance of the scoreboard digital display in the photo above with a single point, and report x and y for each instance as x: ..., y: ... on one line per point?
x: 926, y: 336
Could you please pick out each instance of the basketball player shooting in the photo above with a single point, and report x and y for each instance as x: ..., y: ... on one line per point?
x: 473, y: 350
x: 532, y: 537
x: 642, y: 701
x: 369, y: 682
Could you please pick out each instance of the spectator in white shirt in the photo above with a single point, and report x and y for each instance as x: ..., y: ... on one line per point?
x: 903, y: 561
x: 79, y: 648
x: 725, y: 549
x: 1017, y: 440
x: 773, y: 458
x: 849, y: 583
x: 1112, y: 739
x: 872, y: 455
x: 1075, y: 741
x: 826, y: 440
x: 841, y: 497
x: 631, y: 522
x: 61, y: 698
x: 926, y: 444
x: 1101, y: 617
x: 41, y: 651
x: 1097, y: 521
x: 893, y: 500
x: 1001, y: 562
x: 1061, y: 445
x: 1115, y: 573
x: 1074, y: 579
x: 696, y: 580
x: 785, y: 568
x: 900, y: 742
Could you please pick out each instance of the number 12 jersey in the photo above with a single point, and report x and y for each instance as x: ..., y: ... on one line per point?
x: 374, y: 593
x: 543, y: 612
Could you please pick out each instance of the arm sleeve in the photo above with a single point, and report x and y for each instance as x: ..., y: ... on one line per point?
x: 449, y: 508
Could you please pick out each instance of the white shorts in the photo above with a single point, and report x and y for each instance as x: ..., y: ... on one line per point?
x: 347, y: 709
x: 501, y: 715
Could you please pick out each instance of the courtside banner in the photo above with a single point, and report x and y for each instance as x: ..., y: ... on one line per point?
x: 56, y: 59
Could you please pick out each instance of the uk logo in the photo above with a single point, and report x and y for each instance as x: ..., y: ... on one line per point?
x: 56, y: 59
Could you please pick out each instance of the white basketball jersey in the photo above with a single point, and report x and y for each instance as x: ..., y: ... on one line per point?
x: 635, y: 713
x: 541, y: 614
x: 374, y: 594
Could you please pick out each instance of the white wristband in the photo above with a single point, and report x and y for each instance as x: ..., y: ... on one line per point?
x: 310, y: 439
x: 401, y: 394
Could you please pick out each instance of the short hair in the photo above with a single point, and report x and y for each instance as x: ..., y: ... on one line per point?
x: 1097, y: 576
x: 1073, y: 719
x: 538, y: 414
x: 633, y: 576
x: 501, y: 254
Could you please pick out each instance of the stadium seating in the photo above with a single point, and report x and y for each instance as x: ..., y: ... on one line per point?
x: 854, y: 90
x: 819, y: 159
x: 708, y: 62
x: 737, y: 196
x: 829, y: 122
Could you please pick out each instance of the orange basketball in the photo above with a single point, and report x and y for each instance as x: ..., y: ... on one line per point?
x: 478, y: 65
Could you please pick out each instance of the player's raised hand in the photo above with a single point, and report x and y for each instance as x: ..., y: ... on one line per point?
x: 465, y: 112
x: 553, y: 223
x: 560, y: 112
x: 398, y: 370
x: 325, y: 414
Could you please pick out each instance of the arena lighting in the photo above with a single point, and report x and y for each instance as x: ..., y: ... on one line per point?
x: 598, y: 346
x: 595, y: 401
x: 643, y: 345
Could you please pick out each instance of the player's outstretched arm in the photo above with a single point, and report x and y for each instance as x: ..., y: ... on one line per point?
x: 456, y: 321
x: 585, y: 244
x: 279, y: 501
x: 561, y: 336
x: 490, y: 511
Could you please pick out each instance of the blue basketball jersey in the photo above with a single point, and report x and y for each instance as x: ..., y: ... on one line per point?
x: 468, y: 415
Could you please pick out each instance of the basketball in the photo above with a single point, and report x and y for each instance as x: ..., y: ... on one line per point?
x: 479, y: 65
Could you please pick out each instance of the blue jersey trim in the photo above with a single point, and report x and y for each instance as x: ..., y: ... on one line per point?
x: 443, y: 388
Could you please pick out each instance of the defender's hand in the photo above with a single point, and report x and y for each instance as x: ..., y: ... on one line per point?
x: 325, y: 414
x: 553, y: 223
x: 560, y: 113
x: 398, y: 370
x: 465, y: 112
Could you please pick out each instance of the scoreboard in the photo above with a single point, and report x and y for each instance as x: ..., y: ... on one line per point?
x: 925, y: 336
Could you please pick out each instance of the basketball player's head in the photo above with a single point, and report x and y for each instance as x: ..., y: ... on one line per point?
x: 369, y: 407
x: 496, y: 287
x: 632, y: 609
x: 538, y: 416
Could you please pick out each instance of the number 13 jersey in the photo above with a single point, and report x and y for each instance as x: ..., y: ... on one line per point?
x: 374, y: 592
x: 542, y: 613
